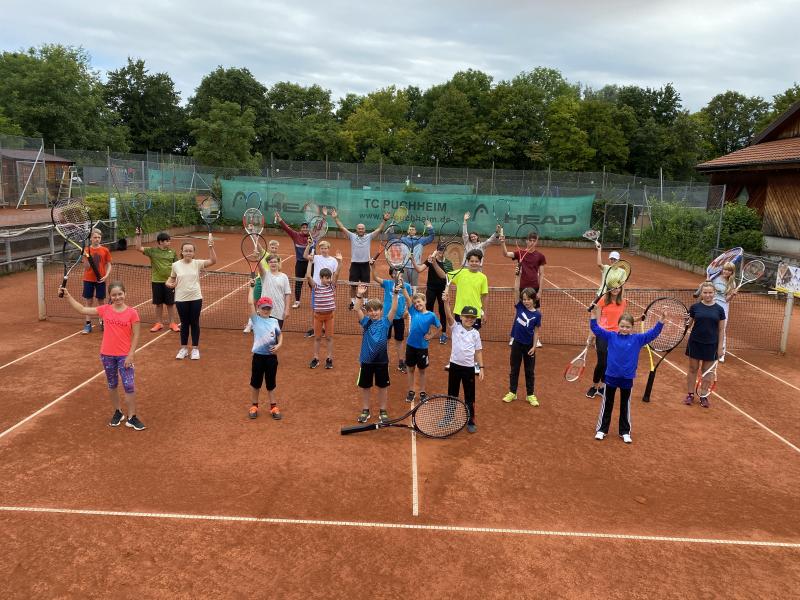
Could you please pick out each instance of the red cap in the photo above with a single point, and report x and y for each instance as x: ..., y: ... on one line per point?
x: 264, y: 301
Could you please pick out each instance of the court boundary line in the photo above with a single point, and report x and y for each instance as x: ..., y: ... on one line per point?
x: 414, y: 476
x: 402, y: 526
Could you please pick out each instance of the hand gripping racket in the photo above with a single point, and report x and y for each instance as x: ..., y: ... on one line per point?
x: 706, y: 381
x: 616, y: 276
x: 576, y: 367
x: 752, y: 271
x: 254, y: 249
x: 676, y: 323
x: 436, y: 417
x: 71, y: 220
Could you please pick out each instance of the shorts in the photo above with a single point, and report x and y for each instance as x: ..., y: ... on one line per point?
x: 371, y: 371
x: 94, y: 289
x: 359, y: 272
x: 264, y: 368
x: 323, y: 319
x: 416, y: 357
x: 700, y: 351
x: 162, y: 294
x: 477, y: 325
x: 399, y: 328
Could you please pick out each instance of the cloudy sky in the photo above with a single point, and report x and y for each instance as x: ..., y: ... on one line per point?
x: 703, y: 47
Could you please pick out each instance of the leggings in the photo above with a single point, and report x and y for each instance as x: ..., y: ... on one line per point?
x: 433, y: 296
x: 607, y: 407
x: 114, y: 365
x: 601, y: 347
x: 189, y: 313
x: 458, y: 375
x: 519, y: 354
x: 300, y: 267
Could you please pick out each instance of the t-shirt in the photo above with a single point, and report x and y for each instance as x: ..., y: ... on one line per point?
x: 388, y: 286
x: 117, y: 329
x: 623, y: 350
x: 276, y: 287
x: 300, y: 240
x: 706, y: 322
x: 323, y: 262
x: 525, y: 321
x: 469, y: 288
x: 187, y: 279
x: 464, y: 345
x: 610, y: 314
x: 374, y: 341
x: 101, y: 257
x: 720, y: 291
x: 436, y: 283
x: 359, y: 247
x: 420, y: 325
x: 530, y: 263
x: 266, y: 333
x: 324, y: 297
x: 161, y: 260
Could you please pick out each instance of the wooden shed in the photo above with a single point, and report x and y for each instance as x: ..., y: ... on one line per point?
x: 766, y: 175
x: 16, y: 167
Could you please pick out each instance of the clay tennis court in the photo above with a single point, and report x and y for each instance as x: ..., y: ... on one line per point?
x: 207, y: 503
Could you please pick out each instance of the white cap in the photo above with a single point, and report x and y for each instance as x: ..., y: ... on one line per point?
x: 614, y: 255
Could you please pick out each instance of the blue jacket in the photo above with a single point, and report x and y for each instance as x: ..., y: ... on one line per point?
x: 417, y: 242
x: 623, y: 350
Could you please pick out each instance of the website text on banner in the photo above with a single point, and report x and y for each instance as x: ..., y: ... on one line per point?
x: 556, y: 218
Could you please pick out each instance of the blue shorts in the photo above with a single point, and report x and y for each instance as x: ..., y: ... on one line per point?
x: 94, y: 289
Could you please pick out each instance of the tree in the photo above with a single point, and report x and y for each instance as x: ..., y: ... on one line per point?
x: 732, y: 119
x: 605, y: 125
x: 225, y: 138
x: 453, y: 133
x: 148, y: 106
x: 780, y: 103
x: 567, y: 144
x: 7, y: 126
x: 347, y: 106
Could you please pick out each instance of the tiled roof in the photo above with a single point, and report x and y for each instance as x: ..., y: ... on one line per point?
x: 31, y: 155
x: 766, y: 153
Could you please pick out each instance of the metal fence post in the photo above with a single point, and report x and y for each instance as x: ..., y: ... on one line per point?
x: 787, y: 321
x: 40, y: 288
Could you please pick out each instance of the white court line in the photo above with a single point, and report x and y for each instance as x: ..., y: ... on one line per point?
x: 405, y: 526
x: 414, y: 478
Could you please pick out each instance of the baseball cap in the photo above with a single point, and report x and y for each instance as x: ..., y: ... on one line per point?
x: 614, y: 255
x: 469, y: 311
x: 264, y: 301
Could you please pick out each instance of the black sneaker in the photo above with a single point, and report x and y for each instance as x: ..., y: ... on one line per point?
x: 328, y: 363
x: 383, y: 416
x: 591, y: 392
x: 352, y: 305
x: 135, y: 423
x: 410, y: 396
x: 314, y: 363
x: 364, y: 416
x: 472, y: 428
x: 423, y: 396
x: 600, y: 392
x: 402, y: 367
x: 309, y: 333
x: 117, y: 418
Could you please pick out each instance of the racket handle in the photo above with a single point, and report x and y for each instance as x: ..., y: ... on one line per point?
x: 649, y: 387
x: 63, y: 287
x: 358, y: 428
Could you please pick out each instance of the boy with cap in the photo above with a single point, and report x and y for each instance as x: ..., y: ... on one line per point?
x: 267, y: 339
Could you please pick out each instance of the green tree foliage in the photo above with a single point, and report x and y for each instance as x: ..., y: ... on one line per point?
x: 225, y: 137
x: 606, y: 125
x: 378, y: 129
x: 148, y: 105
x: 567, y: 144
x: 731, y: 121
x: 780, y: 103
x: 7, y: 126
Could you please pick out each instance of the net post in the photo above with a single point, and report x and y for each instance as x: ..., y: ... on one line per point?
x: 787, y: 321
x: 40, y: 288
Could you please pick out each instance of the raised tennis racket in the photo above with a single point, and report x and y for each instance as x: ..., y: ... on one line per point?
x: 390, y: 234
x: 577, y: 365
x: 437, y: 416
x: 714, y: 268
x: 399, y: 215
x: 209, y: 211
x: 239, y: 197
x: 615, y: 277
x: 676, y: 323
x: 253, y: 221
x: 525, y: 238
x: 751, y: 271
x: 278, y: 202
x: 138, y: 208
x: 310, y: 211
x: 72, y: 222
x: 398, y: 255
x: 593, y: 236
x: 501, y: 209
x: 254, y: 249
x: 450, y: 231
x: 454, y: 252
x: 706, y: 381
x: 317, y: 228
x: 253, y: 200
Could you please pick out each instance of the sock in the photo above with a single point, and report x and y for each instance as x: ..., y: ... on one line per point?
x: 255, y: 403
x: 273, y: 404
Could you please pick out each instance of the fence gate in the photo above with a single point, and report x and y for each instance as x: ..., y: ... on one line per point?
x: 615, y: 225
x: 640, y: 220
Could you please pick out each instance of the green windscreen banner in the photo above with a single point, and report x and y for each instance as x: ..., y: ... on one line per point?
x: 555, y: 217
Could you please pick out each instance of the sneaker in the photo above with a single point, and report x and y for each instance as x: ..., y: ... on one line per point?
x: 383, y: 416
x: 253, y: 412
x: 87, y: 328
x: 423, y: 396
x: 352, y: 305
x: 447, y: 367
x: 314, y: 363
x: 364, y: 416
x: 328, y: 363
x: 402, y: 367
x: 599, y: 435
x: 175, y: 327
x: 102, y: 327
x: 135, y: 423
x: 704, y: 402
x: 538, y: 343
x: 182, y: 353
x: 309, y: 333
x: 443, y: 338
x: 689, y: 400
x: 276, y: 413
x: 248, y: 328
x: 117, y: 418
x: 472, y: 428
x: 410, y: 396
x: 509, y: 397
x: 722, y: 358
x: 296, y: 304
x: 532, y: 400
x: 627, y: 438
x: 600, y: 392
x: 195, y: 354
x: 156, y: 327
x: 591, y: 392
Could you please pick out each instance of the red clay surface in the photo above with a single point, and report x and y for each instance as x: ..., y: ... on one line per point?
x: 690, y: 473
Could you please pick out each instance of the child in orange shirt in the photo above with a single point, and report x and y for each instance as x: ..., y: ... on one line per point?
x: 96, y: 273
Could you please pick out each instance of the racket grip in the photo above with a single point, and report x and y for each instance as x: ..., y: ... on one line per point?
x: 63, y: 286
x: 358, y: 428
x: 649, y: 387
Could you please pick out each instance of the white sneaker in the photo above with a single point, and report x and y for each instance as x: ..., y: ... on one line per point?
x: 599, y: 435
x: 247, y: 328
x: 182, y: 353
x: 722, y: 358
x: 627, y: 438
x: 295, y: 304
x: 195, y: 354
x: 538, y: 344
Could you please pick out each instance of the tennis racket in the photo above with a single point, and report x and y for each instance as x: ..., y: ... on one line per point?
x: 454, y: 252
x: 310, y: 211
x: 253, y: 200
x: 278, y: 202
x: 239, y: 197
x: 450, y: 231
x: 616, y: 276
x: 576, y: 367
x: 209, y: 211
x: 676, y: 323
x: 593, y: 236
x: 436, y: 417
x: 254, y: 249
x: 524, y: 237
x: 139, y: 206
x: 399, y: 215
x: 706, y: 381
x: 317, y: 228
x: 253, y: 221
x: 714, y: 268
x: 390, y: 234
x: 397, y: 254
x: 72, y: 222
x: 501, y: 209
x: 752, y: 271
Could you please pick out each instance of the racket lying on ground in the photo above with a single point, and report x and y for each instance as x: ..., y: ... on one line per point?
x: 615, y: 277
x: 752, y: 271
x: 71, y: 220
x: 706, y: 381
x: 501, y: 210
x: 576, y: 367
x: 254, y: 249
x: 676, y: 323
x: 436, y: 417
x: 714, y: 268
x: 209, y: 211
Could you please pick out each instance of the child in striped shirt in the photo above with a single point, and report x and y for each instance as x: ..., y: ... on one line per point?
x: 324, y: 307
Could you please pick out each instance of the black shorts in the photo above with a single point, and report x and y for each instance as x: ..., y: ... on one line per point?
x: 477, y: 325
x: 94, y: 289
x: 699, y: 351
x: 359, y: 272
x: 399, y: 328
x: 162, y: 294
x: 416, y: 357
x: 265, y: 368
x: 370, y: 372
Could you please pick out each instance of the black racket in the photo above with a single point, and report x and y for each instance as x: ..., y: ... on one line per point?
x: 616, y: 276
x: 450, y: 231
x: 676, y: 323
x: 254, y: 249
x: 501, y: 211
x: 72, y: 222
x: 253, y: 200
x: 209, y: 211
x: 140, y: 205
x: 436, y: 417
x: 239, y: 197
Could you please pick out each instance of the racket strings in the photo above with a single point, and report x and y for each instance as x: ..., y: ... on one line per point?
x: 253, y: 220
x: 209, y: 211
x: 575, y: 369
x: 318, y: 227
x: 397, y: 254
x: 676, y: 318
x: 72, y: 219
x: 753, y: 270
x: 441, y: 416
x: 454, y: 252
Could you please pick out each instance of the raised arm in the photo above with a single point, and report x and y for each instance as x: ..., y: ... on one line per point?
x: 464, y: 230
x: 84, y: 310
x: 251, y: 303
x: 433, y: 263
x: 212, y: 255
x: 138, y: 240
x: 448, y: 312
x: 339, y: 223
x: 309, y: 268
x: 338, y: 258
x: 395, y: 295
x: 308, y: 252
x: 379, y: 228
x: 361, y: 290
x: 599, y: 254
x: 506, y: 253
x: 428, y: 237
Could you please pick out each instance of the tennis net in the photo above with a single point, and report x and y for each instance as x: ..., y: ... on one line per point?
x: 756, y: 318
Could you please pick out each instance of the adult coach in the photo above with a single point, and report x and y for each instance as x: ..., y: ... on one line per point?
x: 300, y: 239
x: 473, y: 242
x: 530, y: 263
x: 360, y: 253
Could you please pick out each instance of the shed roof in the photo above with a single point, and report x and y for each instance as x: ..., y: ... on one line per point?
x: 31, y: 155
x: 766, y: 153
